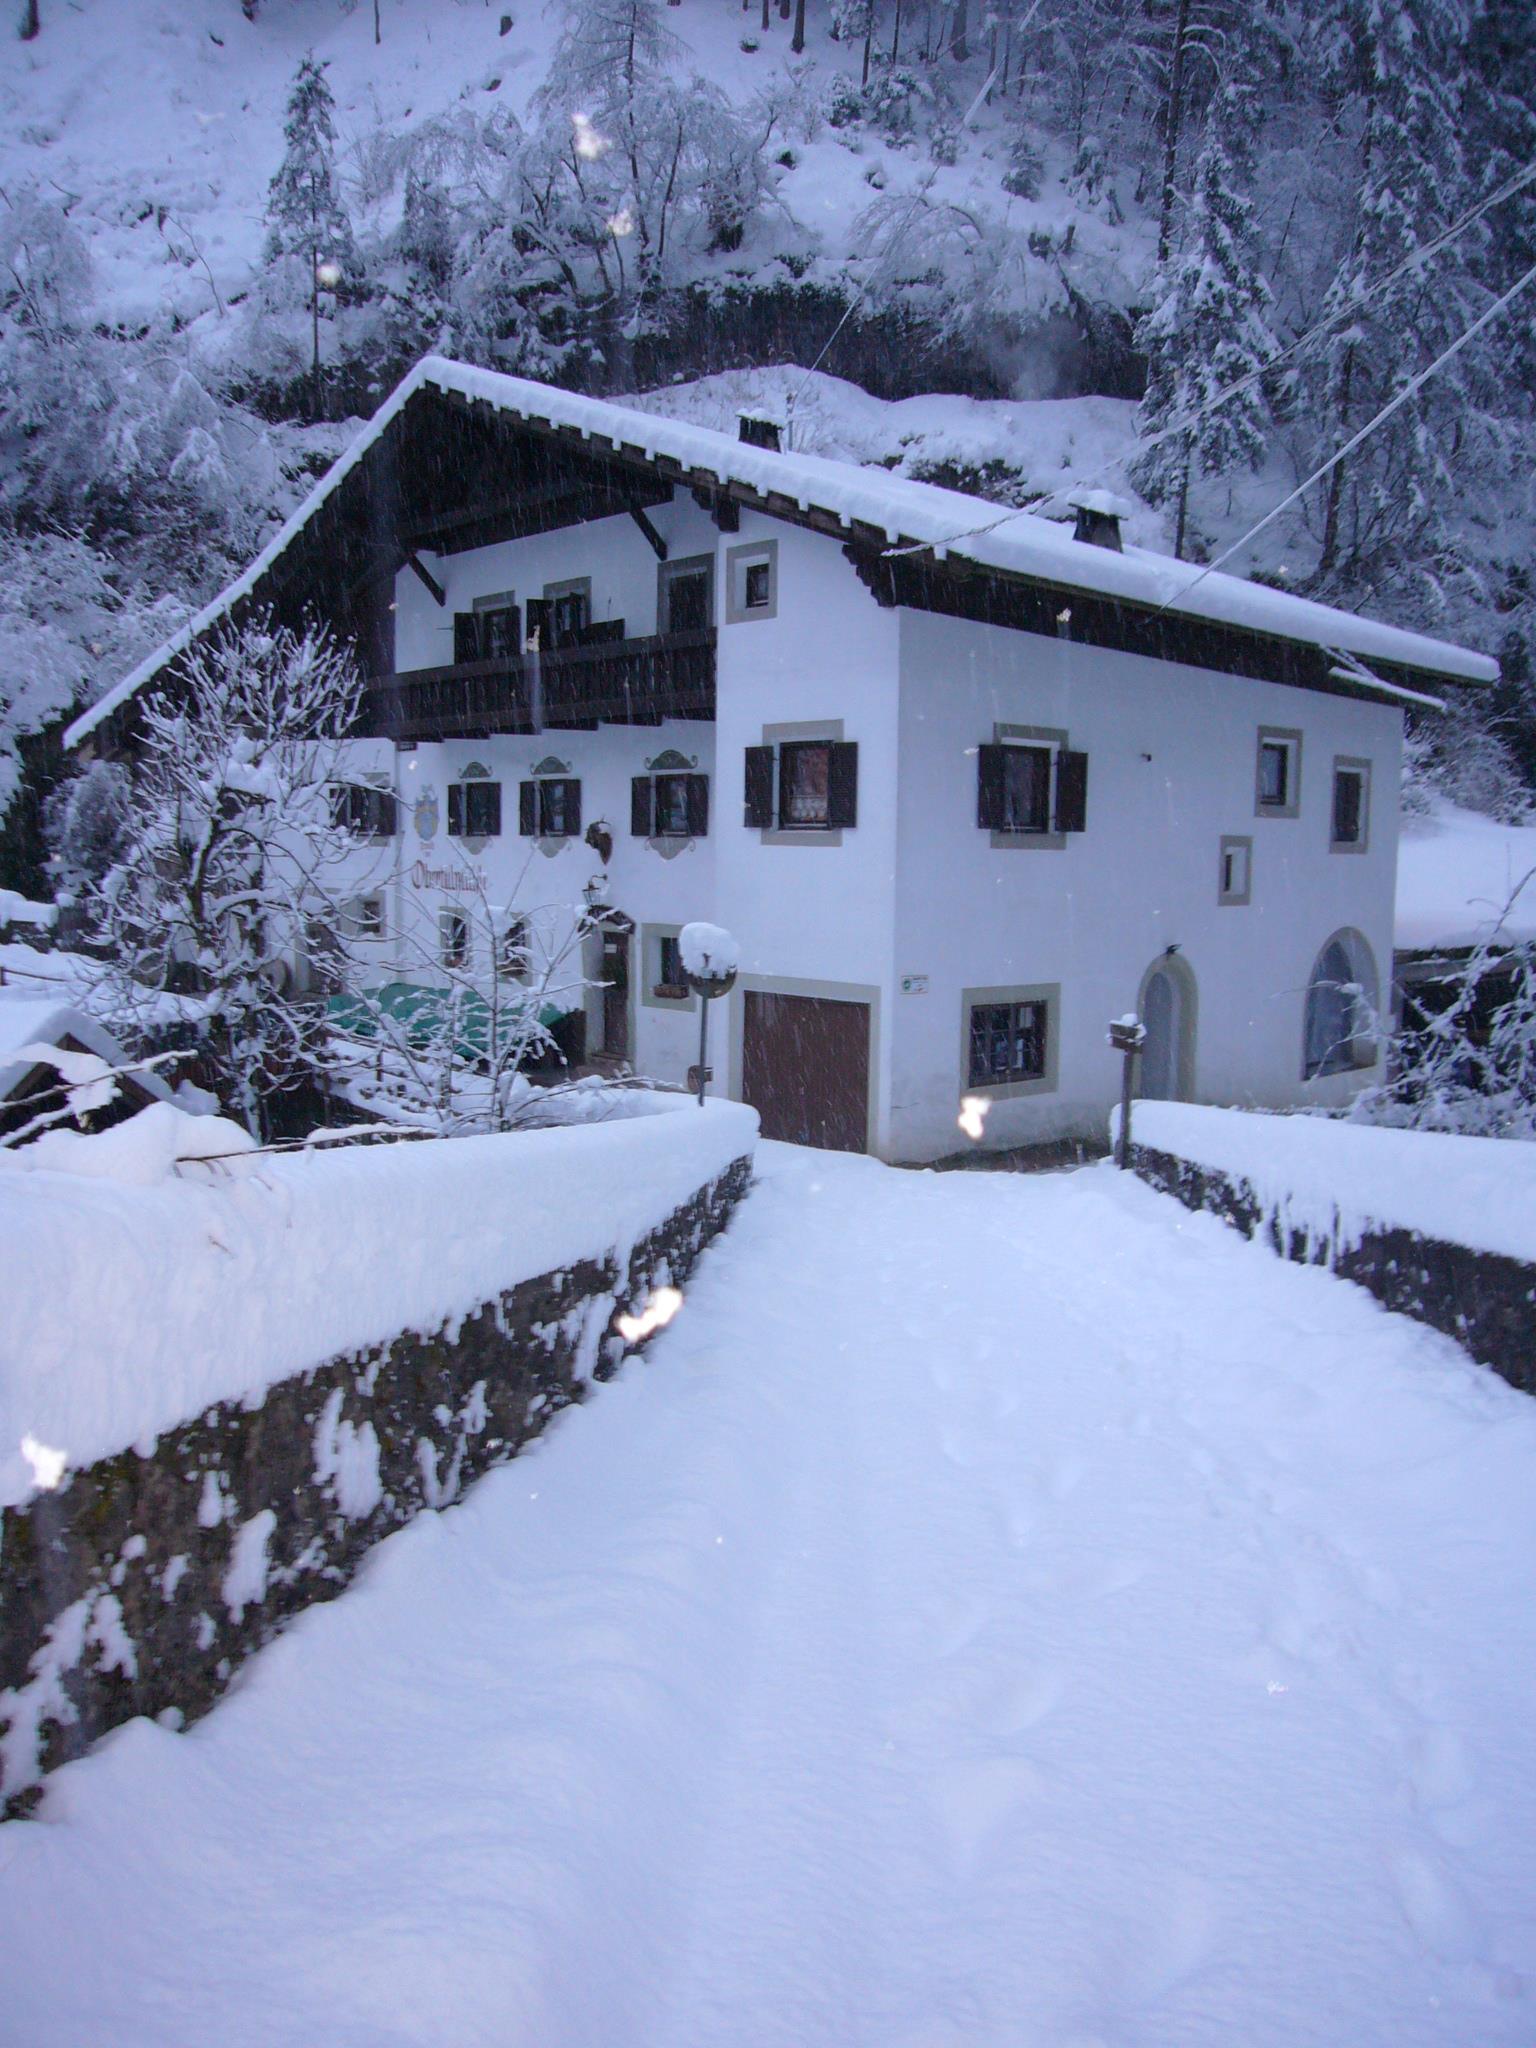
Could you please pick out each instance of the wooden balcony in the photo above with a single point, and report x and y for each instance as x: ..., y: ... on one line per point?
x: 619, y: 682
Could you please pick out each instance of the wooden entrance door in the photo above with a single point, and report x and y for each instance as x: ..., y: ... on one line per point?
x: 615, y: 979
x: 805, y: 1069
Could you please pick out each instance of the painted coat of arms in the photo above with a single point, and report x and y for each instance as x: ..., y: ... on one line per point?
x: 425, y: 814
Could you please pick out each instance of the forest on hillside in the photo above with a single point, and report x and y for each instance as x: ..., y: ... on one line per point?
x: 1295, y: 236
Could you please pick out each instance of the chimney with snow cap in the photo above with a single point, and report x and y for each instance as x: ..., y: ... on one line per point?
x: 1099, y: 514
x: 757, y: 432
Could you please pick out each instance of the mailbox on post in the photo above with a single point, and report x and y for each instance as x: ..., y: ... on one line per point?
x: 1127, y: 1035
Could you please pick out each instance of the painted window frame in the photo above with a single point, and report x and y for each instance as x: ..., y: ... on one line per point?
x: 825, y: 730
x: 1358, y: 766
x: 1055, y: 740
x: 1288, y: 737
x: 1232, y: 844
x: 651, y: 983
x: 738, y: 560
x: 1047, y: 993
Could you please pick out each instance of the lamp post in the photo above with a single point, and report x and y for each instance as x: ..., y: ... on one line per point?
x: 1127, y: 1035
x: 709, y: 967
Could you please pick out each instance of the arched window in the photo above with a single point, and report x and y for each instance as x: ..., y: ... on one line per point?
x: 1343, y: 1000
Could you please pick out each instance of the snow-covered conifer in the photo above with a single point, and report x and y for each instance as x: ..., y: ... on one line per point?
x: 308, y: 225
x: 1208, y: 328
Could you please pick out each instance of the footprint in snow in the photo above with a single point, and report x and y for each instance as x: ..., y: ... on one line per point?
x: 979, y: 1799
x: 1433, y: 1907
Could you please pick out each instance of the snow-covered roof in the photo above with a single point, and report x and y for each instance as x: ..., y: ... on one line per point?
x: 907, y: 512
x: 29, y: 1021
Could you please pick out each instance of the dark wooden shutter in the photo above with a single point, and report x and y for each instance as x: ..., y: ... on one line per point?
x: 759, y: 809
x: 490, y: 811
x: 698, y: 805
x: 1071, y: 792
x: 386, y: 814
x: 843, y: 783
x: 573, y: 807
x: 991, y: 785
x: 640, y: 806
x: 455, y: 810
x: 466, y: 637
x: 538, y: 621
x: 527, y: 809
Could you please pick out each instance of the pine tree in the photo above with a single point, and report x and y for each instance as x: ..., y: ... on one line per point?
x: 1396, y: 62
x: 1208, y: 328
x: 307, y: 221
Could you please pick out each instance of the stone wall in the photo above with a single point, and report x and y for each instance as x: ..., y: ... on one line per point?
x: 1485, y: 1300
x: 141, y: 1583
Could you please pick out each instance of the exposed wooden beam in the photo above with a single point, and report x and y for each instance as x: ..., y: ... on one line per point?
x: 658, y: 545
x: 414, y: 562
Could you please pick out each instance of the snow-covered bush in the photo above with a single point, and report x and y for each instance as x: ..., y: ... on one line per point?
x: 1462, y: 754
x: 231, y: 861
x: 86, y: 823
x: 1465, y: 1056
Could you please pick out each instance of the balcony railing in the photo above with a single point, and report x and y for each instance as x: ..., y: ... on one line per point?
x: 621, y: 682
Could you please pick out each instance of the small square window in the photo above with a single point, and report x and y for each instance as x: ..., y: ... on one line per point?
x: 1278, y: 781
x: 453, y: 938
x: 474, y: 810
x: 1008, y: 1043
x: 751, y: 581
x: 512, y: 956
x: 805, y: 784
x: 1234, y: 882
x: 1351, y: 801
x: 671, y: 981
x: 368, y: 917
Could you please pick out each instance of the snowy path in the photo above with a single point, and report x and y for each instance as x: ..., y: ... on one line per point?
x: 1002, y: 1612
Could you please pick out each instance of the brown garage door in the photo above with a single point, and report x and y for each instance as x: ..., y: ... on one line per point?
x: 805, y: 1069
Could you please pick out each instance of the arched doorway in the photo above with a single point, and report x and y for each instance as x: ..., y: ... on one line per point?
x: 1341, y: 1029
x: 1167, y: 1007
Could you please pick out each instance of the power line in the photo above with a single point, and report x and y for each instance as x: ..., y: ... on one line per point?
x: 1418, y: 256
x: 1414, y: 384
x: 1412, y: 261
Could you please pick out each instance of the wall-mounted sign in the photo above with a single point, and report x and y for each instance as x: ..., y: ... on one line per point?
x: 457, y: 881
x: 914, y: 984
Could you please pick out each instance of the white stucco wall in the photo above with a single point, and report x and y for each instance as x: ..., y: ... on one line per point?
x: 1172, y: 755
x: 820, y: 918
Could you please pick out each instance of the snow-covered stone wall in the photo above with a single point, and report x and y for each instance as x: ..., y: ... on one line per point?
x: 1440, y: 1228
x: 251, y: 1405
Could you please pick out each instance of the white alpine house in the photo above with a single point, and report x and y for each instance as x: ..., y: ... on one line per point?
x: 965, y: 784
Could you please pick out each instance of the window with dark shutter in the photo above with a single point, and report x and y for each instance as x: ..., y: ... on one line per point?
x: 500, y: 633
x: 759, y: 792
x: 559, y: 807
x: 698, y: 806
x: 671, y: 804
x: 805, y: 785
x: 991, y: 777
x: 640, y: 806
x: 453, y: 935
x: 481, y: 810
x: 843, y: 783
x: 527, y: 809
x: 1071, y: 791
